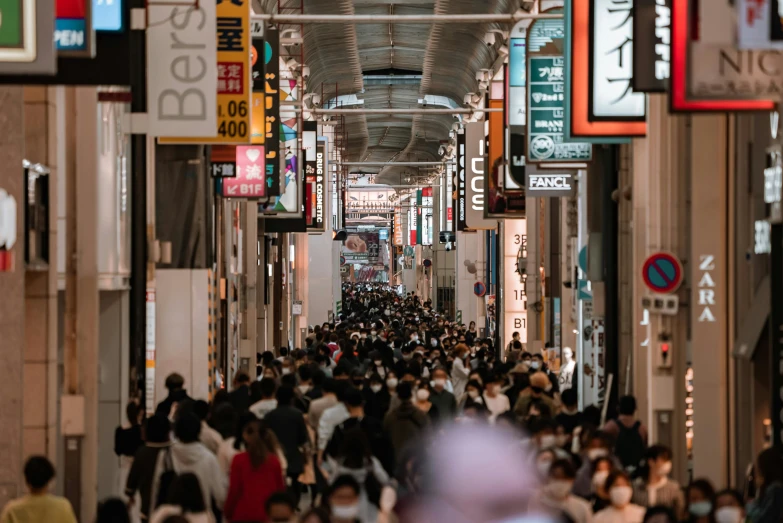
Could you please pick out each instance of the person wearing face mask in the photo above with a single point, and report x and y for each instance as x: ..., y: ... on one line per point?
x: 280, y: 508
x: 342, y: 500
x: 556, y: 493
x: 376, y: 398
x: 376, y: 365
x: 496, y: 402
x: 444, y: 400
x: 543, y: 462
x: 423, y: 402
x: 569, y: 417
x: 729, y: 507
x: 267, y: 402
x: 596, y: 445
x: 537, y: 364
x: 520, y: 381
x: 405, y: 423
x: 621, y: 510
x: 473, y: 395
x: 700, y: 496
x: 654, y: 487
x: 599, y: 499
x: 459, y: 372
x: 768, y: 504
x: 538, y: 385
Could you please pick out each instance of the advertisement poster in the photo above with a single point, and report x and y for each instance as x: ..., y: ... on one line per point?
x: 361, y: 248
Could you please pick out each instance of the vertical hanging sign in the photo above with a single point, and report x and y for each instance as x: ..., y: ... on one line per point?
x: 234, y: 96
x: 460, y: 193
x: 475, y: 175
x: 319, y: 218
x: 270, y: 130
x: 652, y: 38
x: 419, y: 218
x: 514, y: 298
x: 73, y: 31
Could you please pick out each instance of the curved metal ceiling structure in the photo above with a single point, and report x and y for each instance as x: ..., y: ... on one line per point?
x: 396, y: 65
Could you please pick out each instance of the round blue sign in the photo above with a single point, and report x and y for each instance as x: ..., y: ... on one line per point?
x: 662, y: 273
x: 479, y: 289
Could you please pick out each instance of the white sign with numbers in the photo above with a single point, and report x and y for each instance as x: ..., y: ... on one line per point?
x: 514, y: 295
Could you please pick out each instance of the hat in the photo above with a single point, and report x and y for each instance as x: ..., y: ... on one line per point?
x: 520, y: 368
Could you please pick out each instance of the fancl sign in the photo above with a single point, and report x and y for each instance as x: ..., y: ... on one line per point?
x: 553, y: 184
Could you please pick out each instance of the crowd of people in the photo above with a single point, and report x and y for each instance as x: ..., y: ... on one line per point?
x: 393, y: 414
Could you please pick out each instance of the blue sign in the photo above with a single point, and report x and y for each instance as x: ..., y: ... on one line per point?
x: 70, y: 35
x: 516, y: 63
x: 107, y: 15
x: 383, y: 234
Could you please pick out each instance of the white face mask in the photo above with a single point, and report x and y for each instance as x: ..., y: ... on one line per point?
x: 543, y: 467
x: 620, y: 496
x: 439, y: 382
x: 594, y: 454
x: 728, y: 515
x: 548, y: 387
x: 599, y: 479
x: 378, y: 363
x: 392, y: 383
x: 473, y: 394
x: 286, y: 370
x: 346, y: 511
x: 376, y: 388
x: 373, y: 334
x: 535, y: 364
x: 415, y: 337
x: 304, y: 389
x: 422, y: 394
x: 548, y: 441
x: 434, y: 342
x: 558, y: 489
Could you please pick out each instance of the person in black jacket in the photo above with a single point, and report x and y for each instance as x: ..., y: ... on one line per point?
x: 287, y: 422
x: 144, y: 471
x: 240, y: 396
x: 175, y: 384
x: 376, y: 398
x: 127, y: 440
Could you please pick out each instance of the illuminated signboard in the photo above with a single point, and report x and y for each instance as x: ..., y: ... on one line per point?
x: 73, y: 32
x: 107, y: 15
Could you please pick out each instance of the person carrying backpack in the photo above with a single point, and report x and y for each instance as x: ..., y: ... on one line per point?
x: 629, y: 433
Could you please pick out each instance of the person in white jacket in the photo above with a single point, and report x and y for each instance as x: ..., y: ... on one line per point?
x: 190, y: 455
x: 460, y: 373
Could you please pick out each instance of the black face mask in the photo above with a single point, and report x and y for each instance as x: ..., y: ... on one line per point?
x: 537, y: 390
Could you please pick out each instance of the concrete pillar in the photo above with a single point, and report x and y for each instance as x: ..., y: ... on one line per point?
x: 12, y: 289
x: 320, y: 294
x: 41, y: 391
x: 248, y: 340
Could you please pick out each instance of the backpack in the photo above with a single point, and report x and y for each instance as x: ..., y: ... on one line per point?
x: 629, y: 447
x: 166, y: 480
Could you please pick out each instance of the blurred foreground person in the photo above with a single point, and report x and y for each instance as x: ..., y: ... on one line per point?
x: 38, y: 506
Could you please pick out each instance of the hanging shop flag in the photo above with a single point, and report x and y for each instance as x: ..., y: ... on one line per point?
x: 759, y: 24
x: 710, y: 77
x: 398, y: 232
x: 426, y: 215
x: 475, y: 167
x: 26, y: 30
x: 503, y: 200
x: 460, y: 185
x: 419, y: 218
x: 234, y: 96
x: 73, y: 31
x: 107, y: 15
x: 446, y: 207
x: 248, y: 181
x: 652, y: 37
x: 546, y: 97
x: 413, y: 218
x: 266, y: 87
x: 181, y: 105
x: 321, y: 193
x: 599, y: 65
x: 550, y: 183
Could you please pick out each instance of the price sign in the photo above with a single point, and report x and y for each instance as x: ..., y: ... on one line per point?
x: 234, y: 68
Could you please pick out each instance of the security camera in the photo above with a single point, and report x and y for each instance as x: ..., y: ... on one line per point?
x: 306, y: 72
x: 489, y: 39
x: 467, y: 99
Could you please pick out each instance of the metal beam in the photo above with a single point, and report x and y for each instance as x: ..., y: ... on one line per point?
x: 392, y: 164
x: 409, y: 111
x: 482, y: 18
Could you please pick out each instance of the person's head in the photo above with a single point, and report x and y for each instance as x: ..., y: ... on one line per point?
x: 305, y: 373
x: 627, y: 406
x: 539, y: 382
x: 174, y: 382
x: 570, y: 400
x: 285, y: 395
x: 461, y: 350
x: 38, y: 473
x: 659, y: 461
x: 423, y: 391
x: 185, y: 492
x: 270, y: 371
x: 769, y: 469
x: 544, y: 460
x: 392, y: 381
x: 280, y: 508
x: 201, y: 409
x: 568, y: 353
x: 157, y: 429
x: 493, y: 385
x: 660, y: 514
x: 112, y: 510
x: 187, y: 427
x: 343, y: 498
x: 354, y: 401
x: 597, y: 446
x: 602, y: 467
x: 700, y: 496
x: 341, y: 373
x: 315, y: 515
x: 618, y: 485
x: 561, y: 479
x: 543, y: 432
x: 439, y: 378
x: 134, y: 413
x: 404, y: 391
x: 268, y: 386
x: 474, y: 389
x: 357, y: 378
x: 242, y: 378
x: 515, y: 336
x: 729, y: 507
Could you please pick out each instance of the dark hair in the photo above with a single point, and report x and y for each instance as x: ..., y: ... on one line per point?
x: 319, y: 377
x: 187, y: 427
x: 614, y: 475
x: 330, y: 386
x: 404, y: 391
x: 38, y: 472
x: 132, y: 410
x: 660, y: 510
x: 339, y: 371
x: 267, y: 357
x: 538, y: 356
x: 175, y: 381
x: 592, y: 415
x: 320, y: 513
x: 224, y: 419
x: 703, y: 485
x: 658, y: 451
x: 353, y: 397
x: 769, y: 464
x: 186, y: 492
x: 305, y: 373
x: 288, y: 380
x: 569, y: 397
x: 355, y: 449
x: 345, y: 480
x: 157, y: 429
x: 176, y: 518
x: 267, y: 387
x: 244, y: 419
x: 112, y: 510
x: 285, y: 395
x: 516, y: 345
x: 242, y: 377
x: 280, y: 498
x: 733, y: 493
x: 201, y: 409
x: 565, y: 466
x: 627, y: 405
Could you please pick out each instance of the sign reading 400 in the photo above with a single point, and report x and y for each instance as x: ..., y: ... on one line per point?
x: 234, y: 93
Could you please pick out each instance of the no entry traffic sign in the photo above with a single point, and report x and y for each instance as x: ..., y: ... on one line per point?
x: 662, y: 273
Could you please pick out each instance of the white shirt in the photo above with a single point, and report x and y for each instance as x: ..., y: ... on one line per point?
x: 210, y: 437
x: 331, y: 417
x: 630, y: 514
x: 577, y: 508
x: 263, y: 407
x: 497, y: 405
